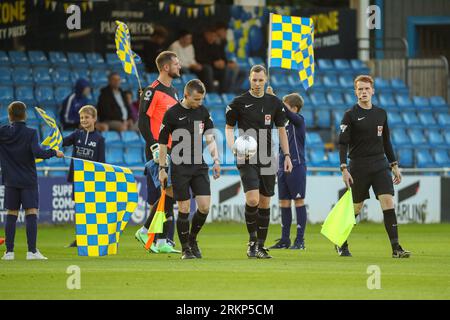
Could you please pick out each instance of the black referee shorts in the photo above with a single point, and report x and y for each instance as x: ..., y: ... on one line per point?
x: 192, y: 176
x: 376, y: 174
x: 252, y: 179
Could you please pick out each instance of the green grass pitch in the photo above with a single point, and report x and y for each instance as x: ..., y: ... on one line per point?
x: 226, y: 273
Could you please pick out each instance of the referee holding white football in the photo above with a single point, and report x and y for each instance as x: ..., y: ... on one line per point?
x: 256, y: 112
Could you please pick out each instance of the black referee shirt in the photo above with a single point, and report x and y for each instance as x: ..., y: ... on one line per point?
x: 250, y: 112
x: 366, y: 133
x: 192, y: 124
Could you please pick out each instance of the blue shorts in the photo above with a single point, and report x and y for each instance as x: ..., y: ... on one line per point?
x: 17, y: 197
x: 292, y: 185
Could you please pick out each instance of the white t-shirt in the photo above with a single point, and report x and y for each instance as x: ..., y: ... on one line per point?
x: 186, y: 54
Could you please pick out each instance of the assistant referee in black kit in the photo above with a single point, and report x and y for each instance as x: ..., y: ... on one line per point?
x: 365, y: 136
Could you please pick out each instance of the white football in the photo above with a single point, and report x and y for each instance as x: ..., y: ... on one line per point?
x: 245, y: 146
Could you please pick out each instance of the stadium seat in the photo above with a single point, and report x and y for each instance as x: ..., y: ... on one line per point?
x: 25, y: 94
x: 404, y: 102
x: 152, y: 76
x: 444, y: 120
x: 438, y: 103
x: 359, y: 67
x: 112, y: 138
x: 213, y: 100
x: 256, y: 60
x: 6, y: 95
x: 318, y: 158
x: 314, y: 140
x: 323, y: 118
x: 337, y: 118
x: 395, y: 119
x: 326, y: 66
x: 38, y: 58
x: 218, y: 117
x: 421, y: 103
x: 227, y: 98
x: 335, y: 100
x: 187, y: 76
x: 62, y: 92
x: 76, y: 59
x: 58, y: 59
x: 134, y: 156
x: 350, y: 99
x: 243, y: 64
x: 99, y: 78
x: 418, y: 138
x: 386, y: 101
x: 41, y: 76
x: 309, y: 118
x: 411, y: 119
x: 5, y: 75
x: 400, y: 138
x: 343, y: 66
x: 61, y: 76
x: 95, y: 60
x: 331, y: 82
x: 447, y: 137
x: 424, y: 159
x: 22, y: 76
x: 427, y: 120
x: 405, y: 157
x: 383, y: 85
x: 441, y: 158
x: 131, y: 138
x: 346, y: 82
x: 44, y: 95
x: 399, y: 86
x: 333, y: 159
x: 278, y: 82
x: 19, y: 59
x: 319, y: 99
x: 79, y: 73
x: 436, y: 139
x: 4, y: 59
x: 112, y: 60
x: 114, y: 154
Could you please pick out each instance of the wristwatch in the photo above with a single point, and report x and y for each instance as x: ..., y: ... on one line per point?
x: 343, y: 166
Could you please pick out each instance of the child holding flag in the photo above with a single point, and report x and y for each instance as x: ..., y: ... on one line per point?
x: 87, y: 142
x: 19, y: 147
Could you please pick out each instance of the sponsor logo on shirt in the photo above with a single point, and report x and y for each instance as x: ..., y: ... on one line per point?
x: 92, y: 144
x: 201, y: 127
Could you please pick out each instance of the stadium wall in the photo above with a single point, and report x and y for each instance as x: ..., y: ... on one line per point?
x: 419, y: 200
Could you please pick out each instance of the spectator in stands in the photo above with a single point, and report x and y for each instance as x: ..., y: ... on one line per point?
x: 70, y: 119
x: 154, y: 47
x: 113, y: 111
x: 134, y: 105
x: 210, y: 54
x: 185, y: 51
x: 234, y: 75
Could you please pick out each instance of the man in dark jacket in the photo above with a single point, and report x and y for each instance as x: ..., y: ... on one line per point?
x: 70, y: 119
x: 113, y: 109
x: 19, y: 147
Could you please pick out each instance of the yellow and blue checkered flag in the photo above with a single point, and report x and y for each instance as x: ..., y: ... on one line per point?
x: 105, y: 198
x: 54, y: 139
x: 123, y: 49
x: 291, y: 45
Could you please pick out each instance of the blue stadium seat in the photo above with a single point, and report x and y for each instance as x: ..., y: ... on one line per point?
x: 218, y: 117
x: 44, y: 95
x: 19, y: 58
x: 441, y: 158
x: 319, y: 99
x: 112, y: 60
x: 335, y: 100
x: 25, y: 94
x: 343, y: 66
x: 331, y: 82
x: 131, y: 138
x: 359, y: 67
x: 134, y: 156
x: 112, y: 138
x: 278, y: 82
x: 346, y: 82
x: 41, y: 76
x: 427, y: 120
x: 243, y: 63
x: 152, y: 76
x: 438, y: 103
x: 95, y: 60
x: 309, y: 118
x: 323, y: 118
x: 5, y: 75
x: 76, y: 59
x: 213, y: 100
x: 395, y: 119
x: 326, y: 65
x: 4, y: 59
x: 337, y: 116
x: 61, y: 76
x: 436, y: 139
x: 38, y: 58
x: 444, y: 120
x: 399, y: 86
x: 386, y: 101
x: 421, y: 103
x: 404, y: 102
x: 99, y: 78
x: 318, y: 157
x: 187, y: 76
x: 114, y: 154
x: 350, y: 99
x: 333, y: 159
x: 383, y: 85
x: 400, y: 138
x: 405, y: 157
x: 6, y: 95
x: 58, y: 59
x: 62, y: 92
x: 418, y: 138
x: 22, y: 76
x: 256, y: 60
x: 314, y: 140
x: 411, y: 119
x: 424, y: 159
x: 227, y: 98
x: 79, y: 73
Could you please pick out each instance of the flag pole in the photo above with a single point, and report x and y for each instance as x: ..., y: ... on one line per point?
x: 269, y: 48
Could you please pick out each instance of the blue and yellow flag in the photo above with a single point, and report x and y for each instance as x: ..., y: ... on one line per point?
x: 54, y: 138
x: 291, y: 46
x: 123, y: 48
x: 105, y: 198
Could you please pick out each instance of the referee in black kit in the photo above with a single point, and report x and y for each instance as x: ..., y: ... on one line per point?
x: 187, y: 122
x: 365, y: 135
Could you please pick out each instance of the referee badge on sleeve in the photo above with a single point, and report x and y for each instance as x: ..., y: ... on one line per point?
x: 380, y: 131
x: 201, y: 127
x: 343, y: 127
x: 267, y: 119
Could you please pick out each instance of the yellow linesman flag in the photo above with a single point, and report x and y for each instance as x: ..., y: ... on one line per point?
x: 105, y: 198
x: 123, y: 49
x: 54, y: 138
x: 291, y: 46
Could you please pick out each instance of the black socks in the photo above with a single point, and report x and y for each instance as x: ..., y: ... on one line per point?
x: 250, y: 219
